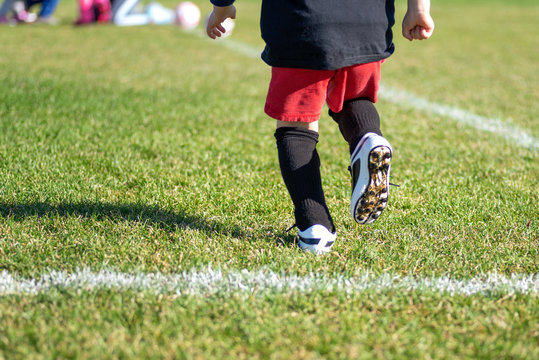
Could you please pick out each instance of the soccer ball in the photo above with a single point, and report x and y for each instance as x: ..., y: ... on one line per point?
x: 228, y: 24
x: 187, y: 15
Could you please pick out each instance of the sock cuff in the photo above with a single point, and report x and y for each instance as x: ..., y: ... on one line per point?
x: 358, y: 117
x: 283, y: 132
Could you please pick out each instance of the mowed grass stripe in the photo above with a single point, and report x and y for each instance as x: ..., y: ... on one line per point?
x: 210, y: 281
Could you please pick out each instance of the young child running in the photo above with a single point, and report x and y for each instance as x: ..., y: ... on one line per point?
x: 328, y: 51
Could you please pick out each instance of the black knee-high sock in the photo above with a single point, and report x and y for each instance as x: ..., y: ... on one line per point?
x: 358, y: 117
x: 300, y: 168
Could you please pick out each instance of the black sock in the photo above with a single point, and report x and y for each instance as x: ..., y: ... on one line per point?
x: 300, y: 168
x: 358, y: 117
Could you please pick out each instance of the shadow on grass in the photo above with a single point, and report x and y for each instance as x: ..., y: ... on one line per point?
x: 153, y: 216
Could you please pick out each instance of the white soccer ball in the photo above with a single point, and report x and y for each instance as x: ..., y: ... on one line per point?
x: 187, y: 15
x: 228, y: 24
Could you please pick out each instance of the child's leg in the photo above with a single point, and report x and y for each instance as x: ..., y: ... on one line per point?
x: 300, y: 168
x: 354, y: 90
x: 295, y: 99
x: 370, y: 159
x: 86, y: 14
x: 7, y: 7
x: 123, y: 14
x: 48, y: 7
x: 104, y: 12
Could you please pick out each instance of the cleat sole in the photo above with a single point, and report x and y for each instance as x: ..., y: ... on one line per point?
x: 374, y: 199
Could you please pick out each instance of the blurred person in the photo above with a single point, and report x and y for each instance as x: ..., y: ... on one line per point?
x: 14, y: 11
x: 91, y: 11
x: 132, y: 13
x: 123, y: 13
x: 21, y: 11
x: 6, y: 9
x: 46, y: 12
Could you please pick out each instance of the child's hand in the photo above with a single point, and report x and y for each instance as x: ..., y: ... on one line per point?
x: 417, y: 23
x: 219, y: 14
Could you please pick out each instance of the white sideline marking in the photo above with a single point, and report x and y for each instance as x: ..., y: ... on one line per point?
x: 217, y: 282
x: 499, y: 127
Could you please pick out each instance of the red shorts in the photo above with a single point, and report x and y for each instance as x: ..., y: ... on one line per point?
x: 299, y: 94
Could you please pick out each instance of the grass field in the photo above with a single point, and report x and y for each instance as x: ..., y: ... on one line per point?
x: 145, y: 151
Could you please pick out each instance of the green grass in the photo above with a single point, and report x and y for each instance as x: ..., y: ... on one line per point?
x: 474, y: 61
x: 147, y: 149
x: 132, y: 325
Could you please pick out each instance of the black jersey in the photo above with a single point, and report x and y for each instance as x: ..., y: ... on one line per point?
x: 325, y: 34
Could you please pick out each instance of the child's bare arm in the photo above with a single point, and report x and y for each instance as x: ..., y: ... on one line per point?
x: 417, y: 23
x: 214, y: 28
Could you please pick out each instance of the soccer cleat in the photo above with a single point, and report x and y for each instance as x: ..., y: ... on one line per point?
x: 369, y: 166
x: 316, y: 239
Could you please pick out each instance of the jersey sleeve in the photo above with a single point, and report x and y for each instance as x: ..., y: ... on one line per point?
x: 222, y: 2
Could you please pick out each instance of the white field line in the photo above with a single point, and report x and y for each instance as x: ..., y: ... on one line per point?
x: 217, y: 282
x: 499, y: 127
x: 503, y: 128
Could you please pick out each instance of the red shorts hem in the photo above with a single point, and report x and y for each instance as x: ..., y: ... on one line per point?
x: 291, y: 117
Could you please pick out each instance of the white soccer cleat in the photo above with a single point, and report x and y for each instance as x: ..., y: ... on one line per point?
x: 369, y: 166
x: 316, y: 239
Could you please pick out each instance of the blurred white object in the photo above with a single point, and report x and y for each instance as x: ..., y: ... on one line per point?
x: 187, y: 15
x: 228, y: 24
x: 158, y: 14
